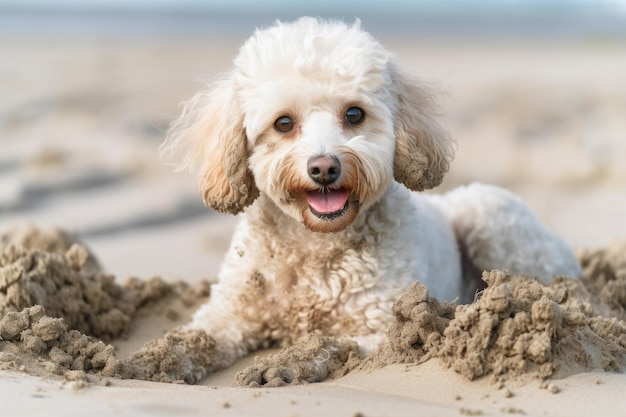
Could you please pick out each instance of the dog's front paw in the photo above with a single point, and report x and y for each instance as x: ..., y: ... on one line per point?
x: 181, y: 355
x: 311, y: 360
x: 270, y: 374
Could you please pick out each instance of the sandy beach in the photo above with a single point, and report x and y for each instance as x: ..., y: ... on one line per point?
x: 80, y: 125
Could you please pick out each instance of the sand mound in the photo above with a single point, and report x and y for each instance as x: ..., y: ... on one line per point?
x: 57, y: 307
x: 36, y: 343
x: 52, y: 240
x: 90, y: 302
x: 518, y: 327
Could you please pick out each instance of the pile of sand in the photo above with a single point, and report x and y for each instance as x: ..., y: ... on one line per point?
x: 57, y: 307
x: 518, y: 327
x: 33, y: 342
x: 88, y: 301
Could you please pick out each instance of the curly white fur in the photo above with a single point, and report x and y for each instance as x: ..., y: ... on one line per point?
x: 292, y: 270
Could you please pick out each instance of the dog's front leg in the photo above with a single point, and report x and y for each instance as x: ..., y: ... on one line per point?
x: 215, y: 338
x: 311, y: 359
x: 183, y: 354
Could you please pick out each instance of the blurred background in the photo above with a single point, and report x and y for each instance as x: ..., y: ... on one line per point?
x: 536, y: 99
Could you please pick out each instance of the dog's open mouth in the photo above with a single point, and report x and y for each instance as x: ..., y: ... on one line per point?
x: 328, y: 204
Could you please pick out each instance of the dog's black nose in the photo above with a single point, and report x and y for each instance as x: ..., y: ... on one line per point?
x: 325, y: 169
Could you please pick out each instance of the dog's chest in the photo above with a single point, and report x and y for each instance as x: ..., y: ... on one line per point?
x: 325, y: 291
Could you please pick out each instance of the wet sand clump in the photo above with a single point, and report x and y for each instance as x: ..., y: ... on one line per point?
x: 57, y: 307
x: 88, y: 301
x: 38, y: 344
x: 518, y: 326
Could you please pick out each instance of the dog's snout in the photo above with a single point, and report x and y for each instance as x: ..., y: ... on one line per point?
x: 325, y: 169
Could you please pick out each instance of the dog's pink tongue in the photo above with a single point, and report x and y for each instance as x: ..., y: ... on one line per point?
x: 330, y: 202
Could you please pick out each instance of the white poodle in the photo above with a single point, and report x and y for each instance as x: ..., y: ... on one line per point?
x: 320, y: 140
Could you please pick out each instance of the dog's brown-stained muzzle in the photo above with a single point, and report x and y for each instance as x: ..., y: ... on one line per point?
x: 326, y: 203
x: 325, y: 196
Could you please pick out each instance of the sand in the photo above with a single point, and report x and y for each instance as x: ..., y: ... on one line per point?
x: 516, y: 329
x: 58, y: 309
x: 79, y: 150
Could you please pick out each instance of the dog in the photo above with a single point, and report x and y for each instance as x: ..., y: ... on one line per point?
x: 324, y: 145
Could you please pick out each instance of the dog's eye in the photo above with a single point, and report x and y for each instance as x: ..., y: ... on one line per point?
x: 354, y: 115
x: 284, y: 124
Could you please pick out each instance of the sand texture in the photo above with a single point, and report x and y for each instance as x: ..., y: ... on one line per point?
x: 36, y: 343
x: 517, y: 328
x: 57, y: 312
x: 57, y: 308
x: 81, y: 121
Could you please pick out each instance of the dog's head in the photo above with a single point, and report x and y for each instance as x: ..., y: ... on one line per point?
x: 316, y: 116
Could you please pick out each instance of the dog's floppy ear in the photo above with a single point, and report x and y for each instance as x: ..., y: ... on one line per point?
x: 209, y: 139
x: 424, y: 148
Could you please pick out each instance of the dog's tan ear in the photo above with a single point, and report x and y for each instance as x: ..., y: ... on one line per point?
x: 209, y: 140
x: 424, y: 148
